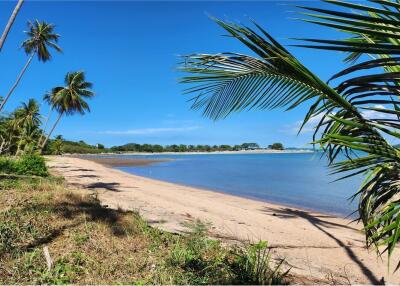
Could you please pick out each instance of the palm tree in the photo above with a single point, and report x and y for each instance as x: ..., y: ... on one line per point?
x: 231, y: 82
x: 41, y: 36
x: 26, y: 122
x: 28, y: 114
x: 70, y: 99
x: 49, y: 99
x: 10, y: 23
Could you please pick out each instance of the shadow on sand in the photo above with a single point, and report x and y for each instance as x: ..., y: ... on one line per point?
x: 320, y: 222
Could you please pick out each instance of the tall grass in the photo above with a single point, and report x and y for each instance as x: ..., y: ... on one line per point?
x: 92, y: 244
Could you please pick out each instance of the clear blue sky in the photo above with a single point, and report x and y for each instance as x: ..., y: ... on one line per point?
x: 129, y: 51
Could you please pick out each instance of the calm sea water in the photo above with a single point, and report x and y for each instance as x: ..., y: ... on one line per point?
x: 299, y: 180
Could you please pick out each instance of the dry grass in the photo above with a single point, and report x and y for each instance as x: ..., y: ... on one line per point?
x: 91, y: 244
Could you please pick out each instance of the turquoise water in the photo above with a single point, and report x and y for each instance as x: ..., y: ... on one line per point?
x: 299, y: 180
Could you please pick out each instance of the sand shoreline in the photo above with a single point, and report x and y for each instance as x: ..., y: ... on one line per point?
x: 122, y: 162
x: 316, y: 245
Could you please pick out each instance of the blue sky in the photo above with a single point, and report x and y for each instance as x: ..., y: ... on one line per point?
x: 129, y: 50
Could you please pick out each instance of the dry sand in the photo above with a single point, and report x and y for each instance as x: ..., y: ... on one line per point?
x: 318, y: 247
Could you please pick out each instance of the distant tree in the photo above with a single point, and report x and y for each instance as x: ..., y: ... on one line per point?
x: 225, y: 147
x: 158, y: 148
x: 276, y: 146
x: 57, y: 146
x: 248, y: 146
x: 237, y: 147
x: 100, y: 146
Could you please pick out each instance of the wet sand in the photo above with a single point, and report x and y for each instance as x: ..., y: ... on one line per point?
x: 122, y: 162
x: 318, y: 247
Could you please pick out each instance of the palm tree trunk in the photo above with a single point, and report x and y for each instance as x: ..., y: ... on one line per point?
x: 18, y: 148
x: 10, y: 22
x: 51, y: 131
x: 45, y: 127
x: 17, y: 81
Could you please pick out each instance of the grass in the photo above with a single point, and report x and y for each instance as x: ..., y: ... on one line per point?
x: 91, y: 244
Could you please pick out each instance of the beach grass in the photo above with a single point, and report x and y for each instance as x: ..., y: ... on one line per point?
x: 87, y: 243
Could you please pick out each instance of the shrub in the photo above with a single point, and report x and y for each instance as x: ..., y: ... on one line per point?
x: 7, y: 165
x: 31, y: 165
x: 26, y: 165
x: 254, y: 266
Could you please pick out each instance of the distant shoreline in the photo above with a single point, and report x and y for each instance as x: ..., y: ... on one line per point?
x: 266, y: 151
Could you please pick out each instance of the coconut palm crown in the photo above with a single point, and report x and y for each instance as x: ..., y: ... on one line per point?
x: 41, y: 36
x: 28, y: 114
x: 70, y: 98
x: 357, y: 110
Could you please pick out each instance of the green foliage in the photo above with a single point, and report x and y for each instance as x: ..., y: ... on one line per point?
x: 41, y: 36
x: 249, y: 146
x: 7, y: 165
x: 254, y: 266
x: 224, y: 83
x: 30, y: 164
x: 133, y: 147
x: 19, y: 131
x: 276, y: 146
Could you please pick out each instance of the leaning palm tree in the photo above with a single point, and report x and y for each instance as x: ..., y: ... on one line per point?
x: 10, y: 23
x: 359, y: 112
x: 41, y: 36
x: 70, y: 99
x: 49, y: 98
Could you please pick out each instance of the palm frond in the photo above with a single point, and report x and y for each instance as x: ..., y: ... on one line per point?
x: 357, y: 115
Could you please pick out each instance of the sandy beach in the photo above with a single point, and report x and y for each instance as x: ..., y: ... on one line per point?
x: 318, y: 247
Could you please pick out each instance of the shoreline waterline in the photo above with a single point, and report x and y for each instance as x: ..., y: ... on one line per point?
x: 292, y: 179
x: 120, y: 163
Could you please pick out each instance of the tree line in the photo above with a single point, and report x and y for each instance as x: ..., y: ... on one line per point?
x: 60, y: 146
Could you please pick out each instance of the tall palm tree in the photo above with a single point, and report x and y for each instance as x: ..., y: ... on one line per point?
x: 231, y: 82
x: 10, y: 23
x: 70, y: 99
x: 41, y: 36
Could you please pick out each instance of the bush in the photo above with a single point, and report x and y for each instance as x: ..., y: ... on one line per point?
x: 25, y: 165
x: 6, y: 165
x: 31, y: 165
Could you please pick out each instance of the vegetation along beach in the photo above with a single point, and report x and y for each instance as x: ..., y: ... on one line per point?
x: 272, y: 160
